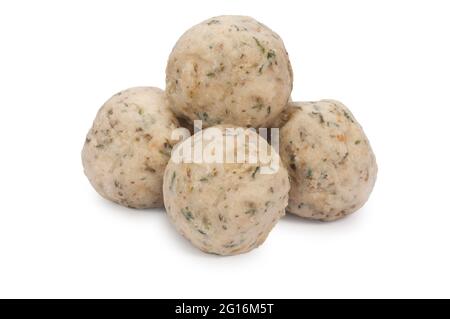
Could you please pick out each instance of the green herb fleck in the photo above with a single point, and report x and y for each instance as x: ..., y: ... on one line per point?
x: 230, y: 245
x: 211, y: 74
x: 172, y: 180
x: 149, y: 168
x: 260, y: 68
x: 213, y: 22
x: 263, y: 49
x: 309, y: 174
x: 348, y: 116
x: 271, y: 54
x: 344, y: 158
x: 187, y: 214
x: 357, y: 142
x: 255, y: 171
x: 236, y: 27
x: 209, y: 175
x: 202, y: 116
x: 206, y: 223
x: 320, y: 116
x: 258, y: 106
x: 251, y: 212
x: 167, y: 149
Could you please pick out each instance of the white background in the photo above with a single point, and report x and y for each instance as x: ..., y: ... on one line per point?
x: 389, y: 61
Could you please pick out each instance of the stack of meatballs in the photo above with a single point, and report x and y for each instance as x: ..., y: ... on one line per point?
x: 230, y: 72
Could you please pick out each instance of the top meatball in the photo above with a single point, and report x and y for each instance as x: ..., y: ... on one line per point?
x: 229, y: 69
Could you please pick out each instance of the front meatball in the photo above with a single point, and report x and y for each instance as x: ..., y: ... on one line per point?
x: 229, y: 69
x: 225, y: 208
x: 128, y: 147
x: 330, y: 162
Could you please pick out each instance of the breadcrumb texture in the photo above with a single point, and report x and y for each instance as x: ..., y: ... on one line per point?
x: 128, y: 147
x: 225, y: 209
x: 229, y: 69
x: 331, y: 165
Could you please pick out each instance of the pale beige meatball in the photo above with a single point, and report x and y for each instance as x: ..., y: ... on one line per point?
x: 128, y: 147
x: 225, y: 208
x: 330, y: 162
x: 229, y: 69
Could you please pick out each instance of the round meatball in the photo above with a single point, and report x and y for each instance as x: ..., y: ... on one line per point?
x: 230, y: 207
x: 128, y: 147
x: 229, y: 69
x: 331, y: 165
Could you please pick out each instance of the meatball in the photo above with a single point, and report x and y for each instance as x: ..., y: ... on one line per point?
x: 226, y: 208
x: 329, y: 159
x: 128, y: 147
x: 229, y: 69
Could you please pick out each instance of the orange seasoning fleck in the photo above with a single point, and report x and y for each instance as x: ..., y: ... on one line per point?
x: 341, y: 137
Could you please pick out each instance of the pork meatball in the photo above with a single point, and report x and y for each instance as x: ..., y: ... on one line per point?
x: 229, y: 69
x: 331, y: 165
x: 128, y: 147
x: 226, y: 208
